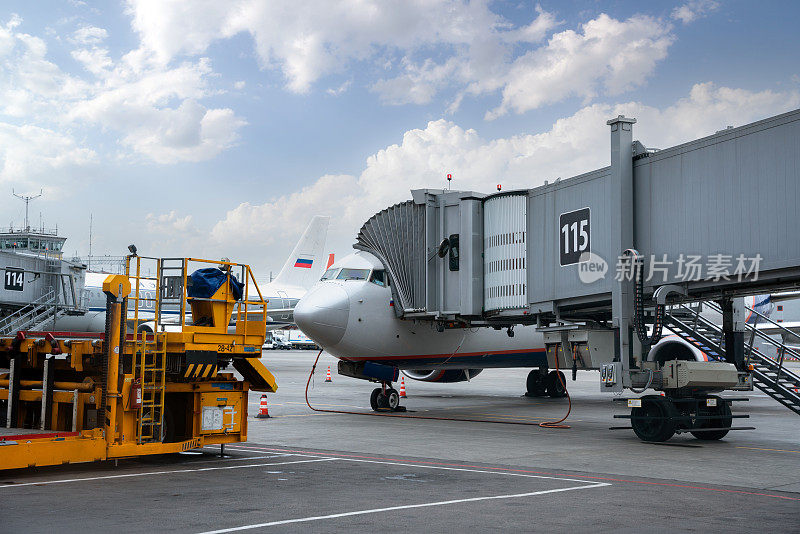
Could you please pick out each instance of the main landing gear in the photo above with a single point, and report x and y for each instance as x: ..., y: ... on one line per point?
x: 541, y: 383
x: 385, y: 399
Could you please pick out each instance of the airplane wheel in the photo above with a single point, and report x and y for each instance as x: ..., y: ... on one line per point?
x: 722, y: 418
x: 555, y: 387
x: 373, y: 398
x: 536, y: 384
x: 655, y: 419
x: 392, y: 399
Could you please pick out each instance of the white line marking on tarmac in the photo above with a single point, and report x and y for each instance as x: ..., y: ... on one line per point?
x: 404, y: 507
x: 173, y: 471
x: 506, y: 473
x: 442, y: 467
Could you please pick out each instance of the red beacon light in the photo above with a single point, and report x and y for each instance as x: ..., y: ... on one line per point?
x: 498, y: 187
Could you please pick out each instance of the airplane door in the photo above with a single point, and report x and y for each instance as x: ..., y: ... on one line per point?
x: 284, y: 304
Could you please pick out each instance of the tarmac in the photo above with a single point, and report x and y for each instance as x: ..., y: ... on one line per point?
x: 304, y: 471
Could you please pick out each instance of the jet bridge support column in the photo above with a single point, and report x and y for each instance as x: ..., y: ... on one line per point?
x: 733, y: 328
x: 622, y: 237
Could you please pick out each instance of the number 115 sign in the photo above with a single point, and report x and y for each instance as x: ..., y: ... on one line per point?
x: 574, y: 235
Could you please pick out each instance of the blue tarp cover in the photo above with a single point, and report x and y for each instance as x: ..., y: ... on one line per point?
x: 203, y: 283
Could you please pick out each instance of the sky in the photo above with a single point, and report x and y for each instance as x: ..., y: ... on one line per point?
x: 219, y: 128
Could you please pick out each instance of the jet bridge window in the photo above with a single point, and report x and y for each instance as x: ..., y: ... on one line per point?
x: 353, y: 274
x: 378, y: 277
x: 330, y: 274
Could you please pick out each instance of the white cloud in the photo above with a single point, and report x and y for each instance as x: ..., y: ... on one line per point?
x: 89, y: 35
x: 339, y: 90
x: 573, y: 145
x: 154, y: 111
x: 309, y: 39
x: 428, y: 46
x: 608, y: 53
x: 168, y: 223
x: 693, y: 10
x: 29, y: 154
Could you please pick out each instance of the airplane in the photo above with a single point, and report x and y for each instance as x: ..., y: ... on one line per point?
x: 300, y: 271
x: 350, y: 314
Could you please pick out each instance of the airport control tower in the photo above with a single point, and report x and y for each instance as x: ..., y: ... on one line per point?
x: 37, y: 281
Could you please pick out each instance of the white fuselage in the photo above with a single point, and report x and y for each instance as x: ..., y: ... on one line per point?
x: 354, y: 319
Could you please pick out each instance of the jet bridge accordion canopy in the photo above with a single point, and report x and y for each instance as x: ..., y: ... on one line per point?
x: 715, y: 216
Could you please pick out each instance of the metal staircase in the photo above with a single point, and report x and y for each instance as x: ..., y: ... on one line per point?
x: 769, y: 374
x: 35, y: 312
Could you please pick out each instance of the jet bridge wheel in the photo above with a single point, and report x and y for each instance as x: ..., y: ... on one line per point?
x: 536, y: 384
x: 655, y: 419
x: 722, y: 418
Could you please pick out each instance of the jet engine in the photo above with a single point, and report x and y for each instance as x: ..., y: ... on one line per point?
x: 675, y: 348
x: 441, y: 375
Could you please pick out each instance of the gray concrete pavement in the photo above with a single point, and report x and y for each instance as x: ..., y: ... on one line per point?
x: 306, y: 471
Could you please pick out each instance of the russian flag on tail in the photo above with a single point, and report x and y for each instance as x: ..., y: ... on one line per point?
x: 304, y: 263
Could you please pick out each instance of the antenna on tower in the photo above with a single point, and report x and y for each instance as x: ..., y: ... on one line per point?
x: 27, y: 200
x: 89, y: 261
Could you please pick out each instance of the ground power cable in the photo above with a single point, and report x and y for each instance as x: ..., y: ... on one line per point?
x: 544, y: 424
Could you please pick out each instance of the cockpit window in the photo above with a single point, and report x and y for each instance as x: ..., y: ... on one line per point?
x: 378, y: 277
x: 329, y: 274
x: 353, y: 274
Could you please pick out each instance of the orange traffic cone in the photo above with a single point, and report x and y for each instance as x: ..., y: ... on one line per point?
x: 263, y: 411
x: 402, y: 387
x: 328, y: 375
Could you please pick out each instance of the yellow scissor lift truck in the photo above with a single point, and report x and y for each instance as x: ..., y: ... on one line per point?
x: 154, y: 384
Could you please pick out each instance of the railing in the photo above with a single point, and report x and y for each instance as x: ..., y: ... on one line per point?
x: 29, y: 314
x: 173, y: 290
x: 751, y: 352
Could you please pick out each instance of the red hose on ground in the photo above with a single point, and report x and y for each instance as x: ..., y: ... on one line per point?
x: 546, y: 424
x: 557, y: 424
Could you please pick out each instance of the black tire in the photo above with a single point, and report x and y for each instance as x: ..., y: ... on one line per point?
x: 555, y: 387
x: 373, y: 398
x: 383, y: 402
x: 392, y: 399
x: 655, y: 419
x: 722, y: 418
x: 536, y: 384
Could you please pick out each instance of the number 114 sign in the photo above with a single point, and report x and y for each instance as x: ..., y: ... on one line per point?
x: 574, y: 235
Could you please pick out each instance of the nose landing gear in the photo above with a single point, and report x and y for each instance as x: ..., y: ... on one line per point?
x: 385, y: 399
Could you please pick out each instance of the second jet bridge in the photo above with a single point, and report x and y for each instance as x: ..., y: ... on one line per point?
x: 713, y: 217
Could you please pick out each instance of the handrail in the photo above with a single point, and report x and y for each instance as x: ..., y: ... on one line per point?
x: 244, y: 307
x: 29, y: 310
x: 766, y: 360
x: 758, y: 332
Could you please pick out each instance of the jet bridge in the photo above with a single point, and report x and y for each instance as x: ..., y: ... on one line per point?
x: 594, y: 260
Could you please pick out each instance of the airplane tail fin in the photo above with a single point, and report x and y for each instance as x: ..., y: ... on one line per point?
x: 330, y: 261
x: 304, y: 265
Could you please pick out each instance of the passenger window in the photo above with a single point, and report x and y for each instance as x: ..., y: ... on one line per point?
x: 378, y: 277
x: 329, y: 274
x: 453, y: 259
x: 353, y: 274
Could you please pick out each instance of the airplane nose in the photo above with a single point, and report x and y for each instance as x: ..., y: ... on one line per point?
x: 322, y: 314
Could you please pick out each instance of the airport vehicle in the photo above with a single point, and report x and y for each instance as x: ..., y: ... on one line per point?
x: 281, y: 344
x: 301, y: 270
x: 75, y: 397
x: 298, y: 340
x: 453, y: 263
